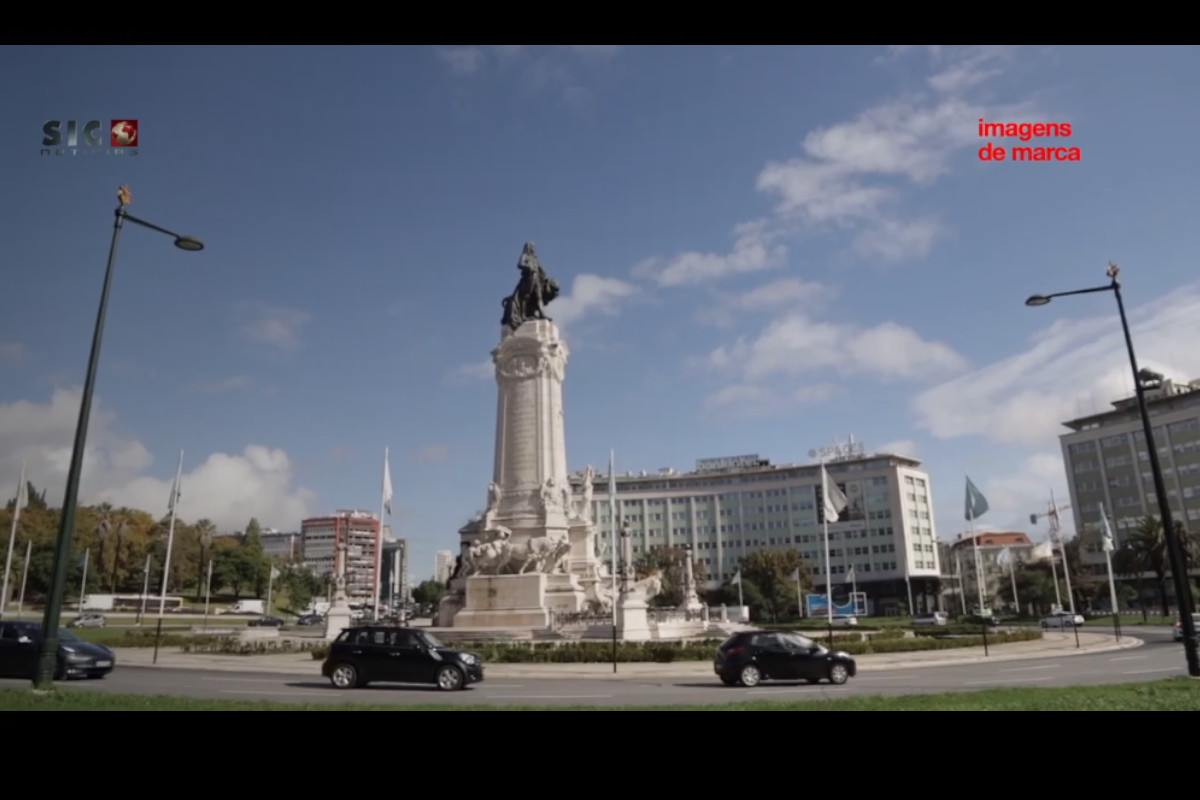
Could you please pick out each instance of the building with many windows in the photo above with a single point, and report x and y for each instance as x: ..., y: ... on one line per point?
x: 999, y: 552
x: 443, y: 565
x: 885, y: 541
x: 360, y: 531
x: 283, y: 546
x: 395, y: 588
x: 1108, y: 466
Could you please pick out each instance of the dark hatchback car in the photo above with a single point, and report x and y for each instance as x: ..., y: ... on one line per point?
x: 19, y: 643
x: 266, y: 622
x: 749, y: 658
x: 377, y: 653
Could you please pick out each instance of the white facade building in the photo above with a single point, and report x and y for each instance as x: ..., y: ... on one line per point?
x: 443, y: 565
x: 885, y: 541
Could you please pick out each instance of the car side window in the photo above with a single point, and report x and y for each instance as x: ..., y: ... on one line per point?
x: 403, y: 639
x: 9, y: 633
x: 362, y: 637
x: 768, y: 640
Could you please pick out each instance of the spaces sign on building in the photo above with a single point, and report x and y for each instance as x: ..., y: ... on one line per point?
x: 730, y: 462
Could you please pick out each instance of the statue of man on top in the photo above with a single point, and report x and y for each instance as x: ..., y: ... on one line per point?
x: 533, y: 293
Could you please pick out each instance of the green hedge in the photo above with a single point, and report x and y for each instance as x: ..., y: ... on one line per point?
x: 667, y: 652
x: 954, y: 629
x: 232, y: 646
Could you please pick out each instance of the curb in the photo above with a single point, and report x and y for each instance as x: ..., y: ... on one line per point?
x: 514, y: 671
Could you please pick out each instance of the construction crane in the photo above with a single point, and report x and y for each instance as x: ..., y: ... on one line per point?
x: 1053, y: 513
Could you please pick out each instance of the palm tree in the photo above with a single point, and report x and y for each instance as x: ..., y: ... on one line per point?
x: 1146, y: 551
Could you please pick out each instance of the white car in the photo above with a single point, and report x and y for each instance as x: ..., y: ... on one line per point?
x: 1178, y: 632
x: 930, y: 618
x: 1062, y: 619
x: 845, y: 621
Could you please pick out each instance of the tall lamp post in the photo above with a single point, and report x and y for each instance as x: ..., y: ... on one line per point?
x: 48, y: 656
x: 1142, y: 377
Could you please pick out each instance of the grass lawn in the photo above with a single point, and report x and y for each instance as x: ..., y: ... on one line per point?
x: 1130, y: 619
x: 1180, y: 694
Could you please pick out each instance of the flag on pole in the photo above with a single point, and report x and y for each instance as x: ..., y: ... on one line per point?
x: 387, y: 483
x: 736, y: 580
x: 795, y: 576
x: 977, y: 504
x: 174, y: 493
x: 22, y: 491
x: 849, y: 574
x: 274, y: 573
x: 612, y: 476
x: 1109, y: 544
x: 835, y: 500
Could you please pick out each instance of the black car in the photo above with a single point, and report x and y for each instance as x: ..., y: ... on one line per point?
x: 372, y: 653
x: 19, y: 644
x: 984, y: 620
x: 266, y: 622
x: 749, y: 658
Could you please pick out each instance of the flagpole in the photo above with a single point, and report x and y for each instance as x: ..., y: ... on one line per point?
x: 162, y: 595
x: 383, y: 508
x: 83, y: 584
x: 1066, y: 569
x: 971, y: 514
x: 145, y: 590
x: 1012, y: 575
x: 612, y: 546
x: 1112, y: 586
x: 207, y: 591
x: 799, y: 595
x: 825, y: 536
x: 24, y: 578
x: 271, y: 588
x: 962, y: 592
x: 12, y: 539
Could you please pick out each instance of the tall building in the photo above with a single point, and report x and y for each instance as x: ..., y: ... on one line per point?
x: 885, y: 541
x: 361, y: 533
x: 284, y: 546
x: 1108, y: 465
x: 443, y: 565
x: 395, y: 573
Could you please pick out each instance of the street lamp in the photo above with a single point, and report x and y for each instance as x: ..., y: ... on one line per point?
x: 48, y: 656
x: 1143, y: 379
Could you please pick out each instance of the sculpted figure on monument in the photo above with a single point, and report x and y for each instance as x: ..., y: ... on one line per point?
x: 550, y: 494
x: 534, y: 291
x: 648, y: 587
x: 585, y: 509
x: 539, y: 553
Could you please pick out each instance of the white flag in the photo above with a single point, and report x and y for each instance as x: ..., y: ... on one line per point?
x: 387, y: 484
x: 274, y: 573
x: 795, y: 576
x: 737, y: 579
x: 1109, y: 544
x: 849, y: 574
x: 22, y: 491
x: 174, y: 494
x: 835, y: 501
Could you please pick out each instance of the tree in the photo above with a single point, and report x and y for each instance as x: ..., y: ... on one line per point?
x: 671, y: 562
x: 1083, y: 582
x: 1146, y: 551
x: 252, y: 546
x: 428, y: 593
x: 252, y: 537
x: 772, y: 574
x: 1035, y: 586
x: 238, y: 568
x: 301, y: 586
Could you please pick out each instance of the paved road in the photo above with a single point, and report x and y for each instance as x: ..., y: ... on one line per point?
x: 1158, y: 658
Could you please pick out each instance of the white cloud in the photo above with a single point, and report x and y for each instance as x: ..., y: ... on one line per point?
x: 893, y: 240
x: 1071, y: 368
x: 750, y: 400
x: 590, y: 294
x: 794, y: 293
x: 901, y: 447
x: 228, y: 489
x: 461, y: 60
x: 796, y: 343
x: 278, y: 327
x: 12, y: 352
x: 752, y: 252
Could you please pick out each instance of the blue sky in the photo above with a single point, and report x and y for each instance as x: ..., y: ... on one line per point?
x: 761, y: 249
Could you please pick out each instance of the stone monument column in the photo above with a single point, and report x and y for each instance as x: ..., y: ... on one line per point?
x: 338, y: 618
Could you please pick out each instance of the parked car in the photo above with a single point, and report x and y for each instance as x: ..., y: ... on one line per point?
x: 379, y: 653
x: 988, y: 620
x: 930, y: 618
x: 845, y: 621
x: 88, y: 621
x: 266, y: 622
x: 1062, y: 619
x: 311, y: 619
x: 1177, y: 633
x: 749, y: 658
x: 19, y: 644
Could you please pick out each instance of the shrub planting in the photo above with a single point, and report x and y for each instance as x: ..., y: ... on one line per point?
x: 232, y: 646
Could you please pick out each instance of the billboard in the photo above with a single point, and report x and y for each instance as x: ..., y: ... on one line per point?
x: 855, y: 606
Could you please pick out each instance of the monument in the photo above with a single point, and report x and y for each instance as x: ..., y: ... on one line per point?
x: 338, y: 617
x: 532, y: 552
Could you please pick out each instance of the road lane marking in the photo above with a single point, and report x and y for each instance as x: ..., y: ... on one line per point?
x: 1148, y: 671
x: 1128, y: 658
x: 292, y: 693
x: 1024, y: 669
x: 548, y: 696
x: 1006, y: 680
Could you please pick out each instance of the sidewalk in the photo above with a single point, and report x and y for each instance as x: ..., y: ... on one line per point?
x: 1053, y: 645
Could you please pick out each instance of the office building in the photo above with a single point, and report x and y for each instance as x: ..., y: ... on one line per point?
x: 885, y: 541
x: 443, y: 565
x: 1108, y: 466
x: 361, y: 533
x: 282, y: 546
x: 960, y: 585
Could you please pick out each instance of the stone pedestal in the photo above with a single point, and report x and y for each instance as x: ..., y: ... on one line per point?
x: 633, y: 624
x: 337, y: 619
x: 504, y: 601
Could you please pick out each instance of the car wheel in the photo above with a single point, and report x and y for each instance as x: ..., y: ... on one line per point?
x: 450, y: 679
x: 343, y: 676
x: 838, y: 674
x: 729, y: 681
x: 750, y: 676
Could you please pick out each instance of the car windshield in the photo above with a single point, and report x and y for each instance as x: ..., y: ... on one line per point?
x: 430, y: 639
x: 65, y: 635
x: 797, y: 641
